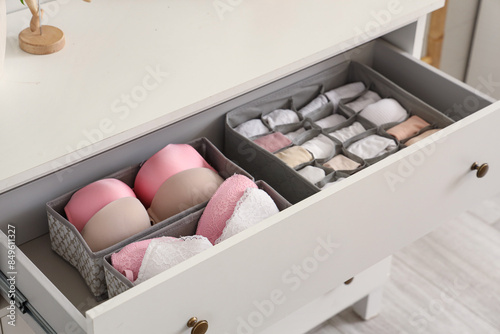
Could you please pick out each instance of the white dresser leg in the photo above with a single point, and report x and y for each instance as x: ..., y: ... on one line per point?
x: 370, y: 305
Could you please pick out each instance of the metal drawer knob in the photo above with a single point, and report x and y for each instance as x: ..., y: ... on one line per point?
x: 481, y: 170
x: 199, y: 327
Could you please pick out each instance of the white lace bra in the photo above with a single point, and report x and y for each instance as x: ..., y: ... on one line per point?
x: 254, y: 206
x: 165, y: 252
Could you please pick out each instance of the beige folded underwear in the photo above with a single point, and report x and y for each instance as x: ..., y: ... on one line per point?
x: 295, y: 156
x: 341, y: 162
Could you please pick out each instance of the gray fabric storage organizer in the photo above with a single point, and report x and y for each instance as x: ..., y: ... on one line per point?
x: 69, y: 243
x: 117, y: 283
x: 264, y: 165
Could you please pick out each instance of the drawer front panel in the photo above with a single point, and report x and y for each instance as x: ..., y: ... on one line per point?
x: 266, y: 272
x: 336, y: 300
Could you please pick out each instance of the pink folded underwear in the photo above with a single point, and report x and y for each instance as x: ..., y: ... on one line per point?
x: 88, y: 200
x: 273, y: 142
x: 408, y: 128
x: 172, y: 159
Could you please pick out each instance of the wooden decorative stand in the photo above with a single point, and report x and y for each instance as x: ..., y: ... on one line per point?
x: 38, y: 39
x: 49, y: 41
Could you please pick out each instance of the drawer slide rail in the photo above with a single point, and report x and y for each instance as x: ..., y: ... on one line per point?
x: 22, y: 304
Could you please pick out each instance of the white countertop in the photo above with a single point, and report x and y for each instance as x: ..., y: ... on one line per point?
x: 99, y: 91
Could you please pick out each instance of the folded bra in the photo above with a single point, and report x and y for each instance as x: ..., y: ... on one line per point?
x: 170, y: 160
x: 237, y: 205
x: 221, y: 206
x: 183, y: 191
x: 165, y: 252
x: 128, y: 260
x: 88, y: 200
x: 115, y: 222
x: 254, y: 206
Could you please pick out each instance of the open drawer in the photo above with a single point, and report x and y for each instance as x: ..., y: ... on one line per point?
x: 303, y: 252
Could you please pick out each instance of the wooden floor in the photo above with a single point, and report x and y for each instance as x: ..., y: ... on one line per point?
x: 446, y: 282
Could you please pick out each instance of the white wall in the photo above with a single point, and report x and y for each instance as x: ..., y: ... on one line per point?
x: 484, y: 66
x: 459, y: 27
x: 15, y: 5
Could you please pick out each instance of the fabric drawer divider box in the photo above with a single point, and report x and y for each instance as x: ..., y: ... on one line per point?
x: 185, y: 226
x: 264, y: 165
x: 70, y: 245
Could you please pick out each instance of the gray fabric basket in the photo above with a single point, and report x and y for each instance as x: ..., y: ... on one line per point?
x: 332, y: 177
x: 264, y: 165
x: 69, y: 243
x: 117, y: 283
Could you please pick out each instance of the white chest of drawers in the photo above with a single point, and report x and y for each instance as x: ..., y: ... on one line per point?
x: 163, y: 72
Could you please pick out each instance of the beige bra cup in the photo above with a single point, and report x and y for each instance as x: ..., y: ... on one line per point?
x: 115, y: 222
x: 183, y: 191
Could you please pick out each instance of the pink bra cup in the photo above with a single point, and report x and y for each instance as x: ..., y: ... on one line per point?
x: 170, y: 160
x: 128, y: 260
x: 115, y: 222
x: 221, y: 206
x: 183, y: 191
x: 88, y: 200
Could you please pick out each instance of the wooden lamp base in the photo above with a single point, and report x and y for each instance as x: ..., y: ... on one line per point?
x: 51, y: 40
